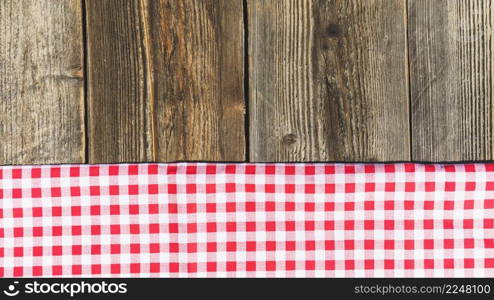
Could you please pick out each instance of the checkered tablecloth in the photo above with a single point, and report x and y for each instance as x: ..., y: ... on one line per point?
x: 242, y: 220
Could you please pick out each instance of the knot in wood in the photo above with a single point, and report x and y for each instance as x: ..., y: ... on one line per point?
x: 289, y: 139
x: 334, y: 30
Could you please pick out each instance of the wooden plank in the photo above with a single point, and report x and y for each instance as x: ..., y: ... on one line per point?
x: 166, y: 80
x: 41, y: 82
x: 328, y: 80
x: 451, y: 69
x: 197, y: 67
x: 119, y: 108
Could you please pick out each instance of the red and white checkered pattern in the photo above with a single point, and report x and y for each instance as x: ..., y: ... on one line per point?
x: 240, y: 220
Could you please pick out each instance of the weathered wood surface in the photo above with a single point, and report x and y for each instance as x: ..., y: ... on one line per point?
x: 451, y: 76
x: 41, y: 82
x: 328, y: 80
x: 165, y: 80
x: 198, y: 79
x: 229, y: 80
x: 119, y: 107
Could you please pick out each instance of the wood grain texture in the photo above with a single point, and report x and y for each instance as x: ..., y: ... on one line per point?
x: 328, y: 80
x: 166, y: 80
x: 120, y: 124
x: 196, y: 62
x: 451, y: 69
x: 41, y: 82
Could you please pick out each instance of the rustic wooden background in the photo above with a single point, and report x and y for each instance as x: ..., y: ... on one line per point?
x: 97, y: 81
